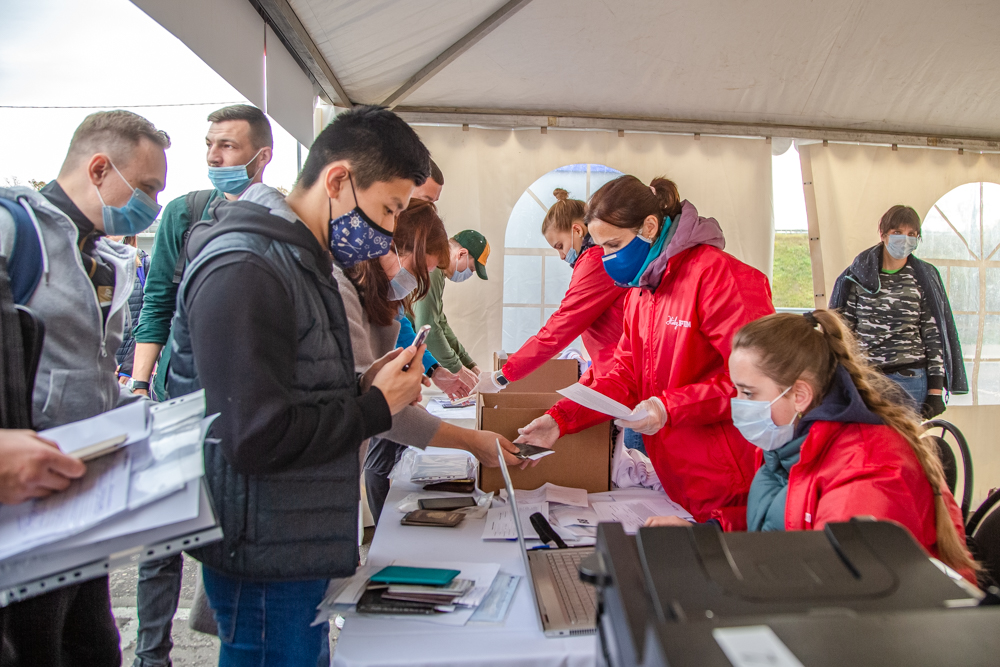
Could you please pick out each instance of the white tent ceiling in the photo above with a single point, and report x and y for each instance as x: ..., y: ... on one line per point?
x: 919, y: 67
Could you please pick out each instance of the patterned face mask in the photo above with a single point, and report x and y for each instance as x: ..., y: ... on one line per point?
x: 354, y: 237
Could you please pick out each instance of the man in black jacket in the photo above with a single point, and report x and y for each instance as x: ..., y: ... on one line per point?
x: 260, y: 326
x: 898, y: 309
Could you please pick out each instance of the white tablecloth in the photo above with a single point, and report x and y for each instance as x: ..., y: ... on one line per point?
x: 374, y: 642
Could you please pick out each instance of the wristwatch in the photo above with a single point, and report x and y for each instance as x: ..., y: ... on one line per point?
x: 137, y: 384
x: 500, y: 379
x: 429, y: 373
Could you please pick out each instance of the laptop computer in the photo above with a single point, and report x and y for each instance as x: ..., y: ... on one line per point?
x: 566, y: 606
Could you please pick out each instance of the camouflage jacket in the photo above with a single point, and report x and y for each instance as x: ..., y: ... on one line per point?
x: 864, y: 277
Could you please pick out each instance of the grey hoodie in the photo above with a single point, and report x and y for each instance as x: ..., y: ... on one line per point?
x: 76, y: 374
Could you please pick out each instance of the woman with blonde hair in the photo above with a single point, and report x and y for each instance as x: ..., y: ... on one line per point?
x: 593, y: 306
x: 834, y: 441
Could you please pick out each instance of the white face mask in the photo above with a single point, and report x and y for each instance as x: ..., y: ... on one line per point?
x: 464, y: 274
x: 753, y: 419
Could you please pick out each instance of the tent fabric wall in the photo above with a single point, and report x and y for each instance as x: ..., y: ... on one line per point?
x: 855, y: 185
x: 486, y: 171
x: 290, y: 96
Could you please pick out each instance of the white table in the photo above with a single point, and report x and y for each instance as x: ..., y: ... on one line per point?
x: 374, y: 642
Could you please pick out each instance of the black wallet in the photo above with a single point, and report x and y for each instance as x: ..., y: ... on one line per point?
x: 432, y: 518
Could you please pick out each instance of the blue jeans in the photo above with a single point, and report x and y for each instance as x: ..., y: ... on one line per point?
x: 634, y: 440
x: 914, y: 383
x: 156, y: 603
x: 266, y: 623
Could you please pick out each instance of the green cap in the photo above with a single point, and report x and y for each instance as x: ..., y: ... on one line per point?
x: 478, y: 247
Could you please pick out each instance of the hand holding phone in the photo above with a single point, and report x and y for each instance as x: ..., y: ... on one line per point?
x: 419, y: 340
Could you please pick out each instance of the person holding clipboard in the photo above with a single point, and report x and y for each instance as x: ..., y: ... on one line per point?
x: 687, y: 298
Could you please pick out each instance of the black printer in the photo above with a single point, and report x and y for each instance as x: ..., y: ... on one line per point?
x: 860, y: 592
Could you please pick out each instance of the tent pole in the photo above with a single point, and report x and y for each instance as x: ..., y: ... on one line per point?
x: 812, y: 217
x: 288, y: 27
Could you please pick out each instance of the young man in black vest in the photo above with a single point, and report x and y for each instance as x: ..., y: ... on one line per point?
x: 261, y: 327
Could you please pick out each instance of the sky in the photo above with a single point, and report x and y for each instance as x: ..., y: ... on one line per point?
x: 108, y: 53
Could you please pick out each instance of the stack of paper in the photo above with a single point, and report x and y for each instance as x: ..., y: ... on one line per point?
x: 147, y: 492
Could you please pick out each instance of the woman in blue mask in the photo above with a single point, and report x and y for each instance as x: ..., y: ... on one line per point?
x: 897, y: 307
x: 833, y: 444
x: 687, y: 298
x: 593, y: 306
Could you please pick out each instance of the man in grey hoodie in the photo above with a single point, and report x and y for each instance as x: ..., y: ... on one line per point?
x: 115, y: 168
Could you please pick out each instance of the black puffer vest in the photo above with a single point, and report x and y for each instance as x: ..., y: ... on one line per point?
x: 300, y: 524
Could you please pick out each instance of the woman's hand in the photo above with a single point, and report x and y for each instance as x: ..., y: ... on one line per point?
x: 451, y: 384
x: 542, y: 432
x: 400, y: 388
x: 667, y: 521
x: 655, y: 419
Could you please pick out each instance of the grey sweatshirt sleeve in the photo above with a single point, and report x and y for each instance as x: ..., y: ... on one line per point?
x: 413, y: 426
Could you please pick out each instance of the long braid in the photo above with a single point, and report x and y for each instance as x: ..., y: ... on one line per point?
x: 876, y: 390
x: 793, y: 347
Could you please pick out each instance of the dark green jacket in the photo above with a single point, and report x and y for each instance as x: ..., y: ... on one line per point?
x: 160, y: 294
x: 441, y: 340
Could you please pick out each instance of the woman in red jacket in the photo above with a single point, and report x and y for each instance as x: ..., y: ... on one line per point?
x: 835, y: 443
x: 686, y: 301
x: 593, y: 306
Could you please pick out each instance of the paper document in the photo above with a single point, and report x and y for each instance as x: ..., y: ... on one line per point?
x: 551, y: 493
x: 754, y: 645
x: 589, y: 398
x: 99, y: 495
x: 442, y: 408
x: 632, y: 514
x: 500, y: 521
x: 567, y: 516
x: 130, y: 420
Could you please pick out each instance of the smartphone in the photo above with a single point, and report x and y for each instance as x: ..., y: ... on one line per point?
x: 421, y: 335
x: 533, y: 452
x: 446, y: 504
x: 419, y: 340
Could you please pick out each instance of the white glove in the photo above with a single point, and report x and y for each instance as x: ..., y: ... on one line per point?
x: 655, y: 419
x: 487, y: 383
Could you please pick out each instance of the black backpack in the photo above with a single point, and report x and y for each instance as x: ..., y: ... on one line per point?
x: 197, y: 201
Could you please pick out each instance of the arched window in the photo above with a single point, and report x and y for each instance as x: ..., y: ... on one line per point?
x: 961, y: 236
x: 535, y: 279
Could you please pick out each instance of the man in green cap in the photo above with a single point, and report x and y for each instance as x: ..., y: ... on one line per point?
x: 469, y: 252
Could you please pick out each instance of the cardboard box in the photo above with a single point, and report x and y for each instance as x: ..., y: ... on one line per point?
x: 582, y: 460
x: 551, y: 376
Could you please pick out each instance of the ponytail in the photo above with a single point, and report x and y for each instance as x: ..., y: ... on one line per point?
x: 563, y: 213
x: 811, y: 347
x: 626, y: 202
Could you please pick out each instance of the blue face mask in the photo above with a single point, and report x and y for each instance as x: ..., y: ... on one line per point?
x: 754, y: 422
x: 623, y: 266
x: 232, y: 180
x: 900, y: 245
x: 354, y: 237
x: 135, y: 216
x: 572, y: 256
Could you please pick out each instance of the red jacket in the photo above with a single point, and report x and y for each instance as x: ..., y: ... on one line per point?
x: 847, y: 470
x: 593, y: 306
x: 675, y: 346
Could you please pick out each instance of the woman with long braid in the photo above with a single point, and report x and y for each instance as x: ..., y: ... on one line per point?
x: 834, y: 442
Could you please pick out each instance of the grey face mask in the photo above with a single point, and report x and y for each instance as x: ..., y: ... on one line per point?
x: 900, y: 245
x: 404, y: 283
